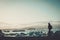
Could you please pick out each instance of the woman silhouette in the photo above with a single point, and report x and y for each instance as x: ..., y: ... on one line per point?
x: 49, y: 26
x: 49, y: 31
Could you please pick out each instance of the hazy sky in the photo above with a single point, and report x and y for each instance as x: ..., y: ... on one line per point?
x: 21, y: 12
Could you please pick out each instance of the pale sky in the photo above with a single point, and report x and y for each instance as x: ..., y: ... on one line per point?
x: 21, y: 12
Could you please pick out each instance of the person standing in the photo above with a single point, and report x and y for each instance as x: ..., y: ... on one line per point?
x: 49, y: 29
x: 49, y: 26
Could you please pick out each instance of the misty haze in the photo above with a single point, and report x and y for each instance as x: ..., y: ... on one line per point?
x: 39, y: 19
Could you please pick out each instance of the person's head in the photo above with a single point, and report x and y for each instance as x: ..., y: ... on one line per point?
x: 49, y: 23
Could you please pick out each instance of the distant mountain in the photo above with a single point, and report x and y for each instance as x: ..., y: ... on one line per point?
x: 37, y: 25
x: 4, y: 25
x: 42, y: 25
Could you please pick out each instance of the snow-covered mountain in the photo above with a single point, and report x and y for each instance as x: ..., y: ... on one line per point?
x: 4, y: 25
x: 40, y: 25
x: 55, y: 24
